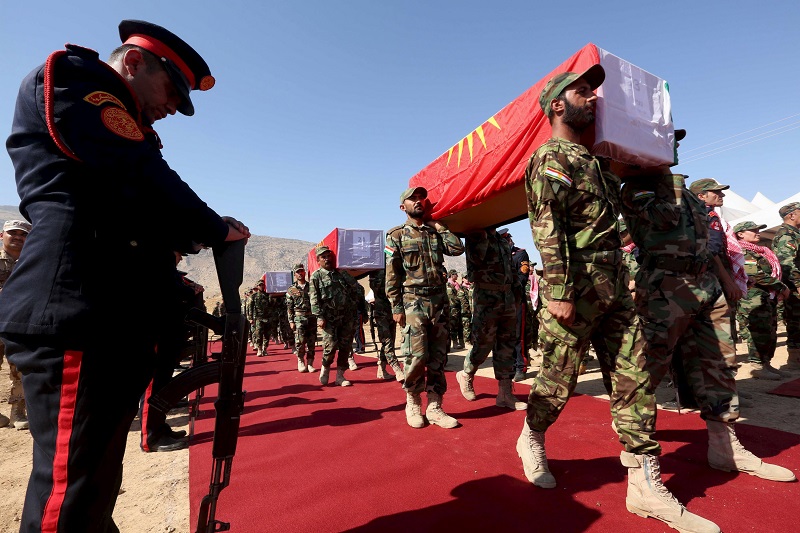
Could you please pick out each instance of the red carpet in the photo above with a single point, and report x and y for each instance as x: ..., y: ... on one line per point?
x: 343, y: 459
x: 790, y: 388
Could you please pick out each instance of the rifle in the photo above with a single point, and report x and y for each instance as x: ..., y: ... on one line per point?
x: 225, y: 368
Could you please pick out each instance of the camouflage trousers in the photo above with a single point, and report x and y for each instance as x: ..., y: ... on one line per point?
x: 606, y: 317
x: 258, y: 335
x: 466, y: 326
x: 271, y: 328
x: 757, y: 315
x: 285, y: 332
x: 305, y: 337
x: 387, y: 331
x: 691, y: 310
x: 455, y: 324
x: 14, y: 375
x: 494, y: 325
x: 791, y: 317
x: 425, y: 341
x: 337, y: 340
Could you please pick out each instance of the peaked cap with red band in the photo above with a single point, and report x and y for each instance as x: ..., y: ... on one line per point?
x: 184, y: 65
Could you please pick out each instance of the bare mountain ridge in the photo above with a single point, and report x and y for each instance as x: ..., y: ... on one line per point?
x: 262, y: 254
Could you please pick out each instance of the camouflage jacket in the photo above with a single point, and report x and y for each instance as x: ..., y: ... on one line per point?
x: 452, y: 298
x: 573, y: 207
x: 298, y: 301
x: 658, y: 225
x: 377, y: 282
x: 786, y: 244
x: 258, y: 304
x: 759, y: 272
x: 6, y: 266
x: 465, y: 298
x: 335, y: 295
x: 489, y: 263
x: 415, y: 259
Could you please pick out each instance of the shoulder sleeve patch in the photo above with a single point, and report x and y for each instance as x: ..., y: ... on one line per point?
x: 643, y: 195
x: 118, y: 121
x: 101, y: 97
x: 557, y: 175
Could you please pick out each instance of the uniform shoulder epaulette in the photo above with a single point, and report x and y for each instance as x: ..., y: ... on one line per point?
x: 294, y: 291
x: 82, y: 51
x: 392, y: 230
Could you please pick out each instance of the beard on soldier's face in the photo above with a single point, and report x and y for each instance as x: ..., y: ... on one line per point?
x: 577, y: 118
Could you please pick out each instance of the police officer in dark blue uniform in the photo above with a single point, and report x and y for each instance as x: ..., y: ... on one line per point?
x: 87, y: 166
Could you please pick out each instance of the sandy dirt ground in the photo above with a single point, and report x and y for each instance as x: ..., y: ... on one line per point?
x: 155, y: 497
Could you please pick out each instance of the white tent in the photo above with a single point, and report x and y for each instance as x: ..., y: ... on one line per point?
x: 735, y: 206
x: 768, y: 215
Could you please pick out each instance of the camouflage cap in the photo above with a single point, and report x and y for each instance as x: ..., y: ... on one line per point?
x: 452, y: 271
x: 788, y: 208
x: 298, y: 266
x: 748, y: 225
x: 504, y: 232
x: 322, y: 249
x: 17, y: 224
x: 707, y: 184
x: 594, y: 76
x: 680, y: 134
x: 411, y: 190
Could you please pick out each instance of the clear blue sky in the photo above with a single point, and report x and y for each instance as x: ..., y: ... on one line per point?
x: 323, y: 110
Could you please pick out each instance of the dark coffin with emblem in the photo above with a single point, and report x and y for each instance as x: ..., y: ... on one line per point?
x: 277, y: 282
x: 358, y: 251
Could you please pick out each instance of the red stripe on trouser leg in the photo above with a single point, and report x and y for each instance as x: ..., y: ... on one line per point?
x: 145, y: 412
x: 66, y: 414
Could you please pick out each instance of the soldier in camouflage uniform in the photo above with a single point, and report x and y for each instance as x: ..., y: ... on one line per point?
x: 335, y: 299
x: 456, y: 331
x: 301, y: 320
x: 573, y: 209
x: 285, y: 332
x: 15, y: 232
x: 258, y: 306
x: 757, y: 312
x: 786, y: 245
x: 465, y: 299
x: 677, y: 295
x: 497, y: 295
x: 387, y: 328
x: 415, y: 286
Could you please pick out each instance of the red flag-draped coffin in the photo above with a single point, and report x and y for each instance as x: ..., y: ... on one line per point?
x: 479, y: 181
x: 358, y: 251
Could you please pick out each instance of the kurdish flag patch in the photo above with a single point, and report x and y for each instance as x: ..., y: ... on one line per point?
x: 388, y: 250
x: 559, y: 176
x: 641, y: 195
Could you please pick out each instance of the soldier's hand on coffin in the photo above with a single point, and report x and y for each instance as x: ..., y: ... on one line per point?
x: 400, y: 318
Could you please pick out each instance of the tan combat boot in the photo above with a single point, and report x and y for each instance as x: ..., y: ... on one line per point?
x: 506, y: 398
x: 436, y: 415
x: 465, y: 384
x: 324, y: 373
x: 758, y: 371
x: 382, y: 373
x: 340, y: 380
x: 351, y: 362
x: 301, y: 365
x: 530, y: 448
x: 399, y: 375
x: 4, y: 421
x: 648, y: 497
x: 310, y: 365
x: 769, y: 368
x: 414, y: 410
x: 725, y: 452
x: 19, y: 417
x: 793, y: 362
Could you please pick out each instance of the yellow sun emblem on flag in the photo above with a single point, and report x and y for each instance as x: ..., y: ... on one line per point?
x: 470, y: 141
